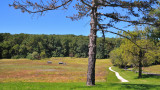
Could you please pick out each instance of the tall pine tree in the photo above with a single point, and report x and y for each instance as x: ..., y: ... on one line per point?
x: 103, y: 13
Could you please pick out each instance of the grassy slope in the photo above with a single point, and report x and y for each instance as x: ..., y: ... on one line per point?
x: 147, y: 82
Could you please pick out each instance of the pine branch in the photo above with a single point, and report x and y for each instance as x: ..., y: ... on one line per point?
x: 121, y: 36
x: 39, y: 8
x: 116, y: 18
x: 86, y: 3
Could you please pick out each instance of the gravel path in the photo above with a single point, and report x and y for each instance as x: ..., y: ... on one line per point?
x: 118, y: 76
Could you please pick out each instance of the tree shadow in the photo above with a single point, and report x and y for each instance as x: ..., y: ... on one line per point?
x: 156, y: 76
x: 140, y: 86
x: 151, y: 76
x: 113, y: 86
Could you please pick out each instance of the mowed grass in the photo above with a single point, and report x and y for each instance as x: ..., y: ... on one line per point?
x: 75, y: 70
x: 132, y: 77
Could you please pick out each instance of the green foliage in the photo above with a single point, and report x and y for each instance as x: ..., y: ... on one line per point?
x: 5, y: 54
x: 18, y: 56
x: 100, y: 50
x: 29, y: 56
x: 17, y: 45
x: 117, y: 57
x: 43, y: 55
x: 128, y: 52
x: 35, y: 55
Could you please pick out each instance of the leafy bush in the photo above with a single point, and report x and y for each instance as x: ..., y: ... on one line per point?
x: 29, y: 56
x: 43, y: 54
x: 35, y: 55
x: 18, y: 56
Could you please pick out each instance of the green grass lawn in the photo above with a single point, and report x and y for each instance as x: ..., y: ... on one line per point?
x: 146, y: 82
x: 132, y: 77
x: 29, y: 75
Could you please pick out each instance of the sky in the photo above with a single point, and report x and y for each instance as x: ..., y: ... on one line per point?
x: 53, y: 22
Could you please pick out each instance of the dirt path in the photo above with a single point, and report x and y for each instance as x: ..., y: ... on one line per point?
x: 118, y: 76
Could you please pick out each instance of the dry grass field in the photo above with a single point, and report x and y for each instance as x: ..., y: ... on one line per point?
x: 75, y: 70
x: 152, y: 69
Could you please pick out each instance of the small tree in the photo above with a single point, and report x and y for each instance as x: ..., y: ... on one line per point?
x: 141, y: 54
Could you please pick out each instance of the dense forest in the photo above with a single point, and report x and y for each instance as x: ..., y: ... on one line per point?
x: 44, y: 46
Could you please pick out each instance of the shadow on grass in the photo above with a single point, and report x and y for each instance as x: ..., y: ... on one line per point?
x: 140, y: 86
x: 151, y: 76
x: 148, y: 76
x: 113, y: 86
x: 75, y: 86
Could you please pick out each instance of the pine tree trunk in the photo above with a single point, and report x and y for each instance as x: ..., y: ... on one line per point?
x: 92, y: 47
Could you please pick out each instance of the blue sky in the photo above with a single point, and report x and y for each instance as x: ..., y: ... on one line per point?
x: 54, y: 22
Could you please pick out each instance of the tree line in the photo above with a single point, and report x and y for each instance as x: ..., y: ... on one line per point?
x: 44, y: 46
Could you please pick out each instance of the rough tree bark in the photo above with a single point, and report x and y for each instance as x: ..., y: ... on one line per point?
x: 92, y: 46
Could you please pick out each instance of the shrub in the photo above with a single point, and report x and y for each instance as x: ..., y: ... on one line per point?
x: 29, y: 56
x: 43, y: 54
x: 35, y: 55
x: 18, y: 56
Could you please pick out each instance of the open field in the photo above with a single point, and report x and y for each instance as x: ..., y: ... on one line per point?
x: 152, y: 69
x: 74, y: 70
x: 38, y: 75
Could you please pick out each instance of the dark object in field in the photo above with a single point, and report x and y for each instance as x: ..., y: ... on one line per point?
x: 49, y: 62
x: 61, y: 63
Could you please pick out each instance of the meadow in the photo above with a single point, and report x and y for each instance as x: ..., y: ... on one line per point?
x: 23, y: 74
x: 74, y: 70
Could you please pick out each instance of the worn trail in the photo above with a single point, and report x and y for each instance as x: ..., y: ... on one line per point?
x: 118, y: 76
